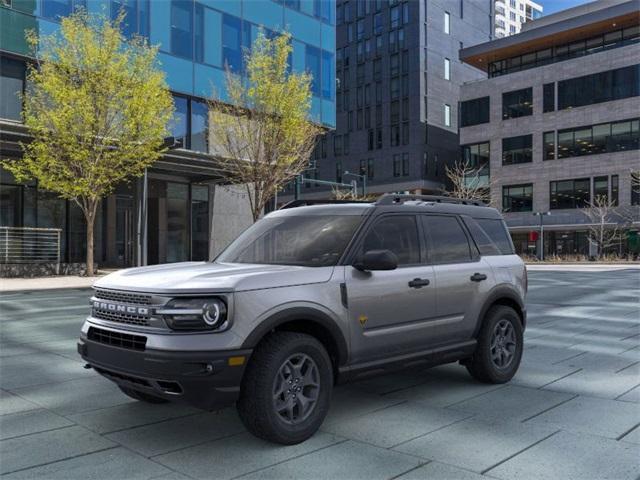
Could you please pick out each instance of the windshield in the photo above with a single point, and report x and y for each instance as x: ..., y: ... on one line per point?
x: 309, y: 241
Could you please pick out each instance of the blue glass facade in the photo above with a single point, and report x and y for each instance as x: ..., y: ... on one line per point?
x: 198, y: 39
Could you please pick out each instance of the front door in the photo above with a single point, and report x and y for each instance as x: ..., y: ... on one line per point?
x: 389, y: 311
x: 124, y: 231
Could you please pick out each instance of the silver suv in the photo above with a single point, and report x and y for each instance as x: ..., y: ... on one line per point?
x: 309, y: 296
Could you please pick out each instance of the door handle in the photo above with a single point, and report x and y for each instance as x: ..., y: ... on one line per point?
x: 478, y: 277
x: 419, y: 283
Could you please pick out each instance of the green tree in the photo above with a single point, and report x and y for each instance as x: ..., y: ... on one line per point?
x: 261, y: 131
x: 97, y: 107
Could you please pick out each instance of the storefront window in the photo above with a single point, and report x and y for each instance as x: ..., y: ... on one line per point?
x: 199, y: 222
x: 177, y: 222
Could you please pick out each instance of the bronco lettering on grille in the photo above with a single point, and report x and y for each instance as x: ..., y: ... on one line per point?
x: 114, y: 307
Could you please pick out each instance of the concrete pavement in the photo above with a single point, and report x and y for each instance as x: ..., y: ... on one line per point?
x: 572, y: 411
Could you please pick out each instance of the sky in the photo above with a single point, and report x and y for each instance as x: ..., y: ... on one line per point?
x: 553, y: 6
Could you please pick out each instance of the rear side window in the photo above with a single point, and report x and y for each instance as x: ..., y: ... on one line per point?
x: 498, y: 234
x: 447, y: 241
x: 486, y: 246
x: 398, y: 233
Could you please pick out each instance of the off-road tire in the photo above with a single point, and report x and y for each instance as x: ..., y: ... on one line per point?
x: 481, y: 366
x: 256, y: 405
x: 142, y: 396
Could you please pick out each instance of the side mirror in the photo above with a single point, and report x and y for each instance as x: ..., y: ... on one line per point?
x: 377, y: 260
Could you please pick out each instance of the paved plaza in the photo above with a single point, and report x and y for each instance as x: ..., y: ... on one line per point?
x: 571, y: 412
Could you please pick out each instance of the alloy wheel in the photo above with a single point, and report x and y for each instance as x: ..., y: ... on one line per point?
x: 296, y: 388
x: 503, y: 344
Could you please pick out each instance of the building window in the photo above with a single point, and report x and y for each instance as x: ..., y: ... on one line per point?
x: 136, y: 20
x: 615, y: 191
x: 477, y: 156
x: 570, y: 193
x: 182, y: 28
x: 395, y: 135
x: 345, y: 144
x: 337, y: 145
x: 517, y: 198
x: 328, y: 75
x: 199, y: 126
x: 339, y: 172
x: 549, y: 97
x: 549, y: 145
x: 516, y: 150
x: 394, y: 16
x: 601, y: 188
x: 312, y: 62
x: 231, y: 43
x: 56, y: 9
x: 378, y: 139
x: 635, y: 188
x: 447, y: 115
x: 12, y: 78
x: 447, y: 69
x: 517, y: 103
x: 447, y: 23
x: 599, y: 87
x: 405, y: 165
x: 602, y: 138
x: 179, y: 125
x: 474, y: 112
x: 397, y: 167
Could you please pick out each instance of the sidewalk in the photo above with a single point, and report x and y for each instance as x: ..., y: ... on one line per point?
x: 47, y: 283
x: 583, y: 267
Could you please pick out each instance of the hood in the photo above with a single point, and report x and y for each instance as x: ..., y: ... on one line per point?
x: 206, y: 277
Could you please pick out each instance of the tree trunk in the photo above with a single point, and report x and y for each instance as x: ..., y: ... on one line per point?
x: 90, y: 223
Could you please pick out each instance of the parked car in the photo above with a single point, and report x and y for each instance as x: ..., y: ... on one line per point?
x: 313, y: 295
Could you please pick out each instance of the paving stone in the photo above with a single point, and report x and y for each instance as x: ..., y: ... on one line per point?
x: 117, y: 463
x: 349, y: 402
x: 542, y: 355
x: 512, y: 403
x: 633, y: 436
x: 595, y: 384
x: 571, y: 456
x: 442, y: 392
x: 10, y: 403
x: 128, y: 415
x: 33, y: 421
x: 592, y: 361
x: 41, y: 448
x: 608, y: 418
x: 25, y: 370
x: 439, y: 471
x: 178, y: 433
x: 631, y: 396
x: 75, y: 396
x: 350, y: 460
x: 476, y: 445
x: 394, y: 425
x: 536, y: 375
x: 238, y: 455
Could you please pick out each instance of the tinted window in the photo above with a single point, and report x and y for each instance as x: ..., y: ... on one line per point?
x: 398, y: 234
x: 482, y: 240
x: 516, y: 150
x: 474, y: 112
x: 447, y: 241
x: 599, y: 87
x: 310, y: 241
x: 497, y: 232
x: 517, y: 103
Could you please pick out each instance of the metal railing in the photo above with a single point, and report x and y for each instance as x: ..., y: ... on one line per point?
x: 30, y: 245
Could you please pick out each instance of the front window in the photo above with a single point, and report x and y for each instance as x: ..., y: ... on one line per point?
x: 307, y: 241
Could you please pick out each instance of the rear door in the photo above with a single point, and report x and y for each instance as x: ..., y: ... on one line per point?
x: 462, y: 278
x: 389, y: 311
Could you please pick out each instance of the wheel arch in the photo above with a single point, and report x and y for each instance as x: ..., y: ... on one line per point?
x: 506, y: 296
x: 304, y: 320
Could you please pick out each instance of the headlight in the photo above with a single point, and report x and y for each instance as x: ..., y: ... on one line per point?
x: 195, y: 313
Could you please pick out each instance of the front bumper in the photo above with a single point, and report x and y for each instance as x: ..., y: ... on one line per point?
x: 208, y: 380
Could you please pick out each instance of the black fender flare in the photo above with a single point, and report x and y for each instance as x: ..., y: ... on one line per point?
x: 501, y: 292
x: 305, y: 314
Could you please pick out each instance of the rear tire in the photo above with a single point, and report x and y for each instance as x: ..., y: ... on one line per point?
x: 142, y: 396
x: 499, y: 350
x: 286, y: 389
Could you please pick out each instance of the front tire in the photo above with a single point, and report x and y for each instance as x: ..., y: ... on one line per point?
x: 286, y: 390
x: 499, y: 350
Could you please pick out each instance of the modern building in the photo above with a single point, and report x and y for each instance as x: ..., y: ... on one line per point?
x: 177, y: 212
x: 510, y: 15
x: 398, y: 80
x: 556, y: 122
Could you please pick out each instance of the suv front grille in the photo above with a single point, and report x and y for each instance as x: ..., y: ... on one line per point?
x: 130, y: 319
x: 117, y: 339
x: 124, y: 297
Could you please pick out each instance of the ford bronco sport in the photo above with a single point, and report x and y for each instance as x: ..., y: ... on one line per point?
x: 310, y: 296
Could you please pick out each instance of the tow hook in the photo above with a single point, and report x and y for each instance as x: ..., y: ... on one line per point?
x: 87, y: 366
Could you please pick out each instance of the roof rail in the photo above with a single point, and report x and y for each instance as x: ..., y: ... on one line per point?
x: 304, y: 203
x: 391, y: 198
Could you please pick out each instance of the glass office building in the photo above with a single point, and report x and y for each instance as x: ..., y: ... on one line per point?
x: 198, y: 40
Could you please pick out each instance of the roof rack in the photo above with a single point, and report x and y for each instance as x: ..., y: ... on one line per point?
x: 391, y: 199
x: 304, y: 203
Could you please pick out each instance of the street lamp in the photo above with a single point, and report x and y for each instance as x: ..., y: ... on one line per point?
x: 364, y: 181
x: 541, y: 215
